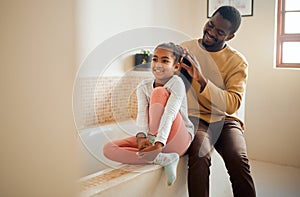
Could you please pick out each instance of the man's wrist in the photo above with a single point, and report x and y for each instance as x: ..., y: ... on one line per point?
x: 203, y: 83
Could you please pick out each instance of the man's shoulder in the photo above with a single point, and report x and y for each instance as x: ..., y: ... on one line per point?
x: 189, y: 43
x: 236, y: 54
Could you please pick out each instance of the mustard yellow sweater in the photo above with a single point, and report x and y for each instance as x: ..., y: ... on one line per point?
x: 226, y: 72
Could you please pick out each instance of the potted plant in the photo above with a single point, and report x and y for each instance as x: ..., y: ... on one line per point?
x: 143, y: 58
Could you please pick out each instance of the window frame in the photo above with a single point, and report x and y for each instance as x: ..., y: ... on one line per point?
x: 281, y: 37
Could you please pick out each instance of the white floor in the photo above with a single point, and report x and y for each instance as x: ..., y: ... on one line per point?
x: 271, y: 180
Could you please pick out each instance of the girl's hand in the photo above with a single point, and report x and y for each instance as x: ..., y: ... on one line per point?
x: 156, y: 147
x: 143, y: 142
x: 149, y: 153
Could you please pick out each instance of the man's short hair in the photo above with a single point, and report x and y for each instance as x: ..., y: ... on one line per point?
x: 232, y: 15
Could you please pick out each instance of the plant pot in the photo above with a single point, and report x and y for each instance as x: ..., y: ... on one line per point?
x: 142, y: 59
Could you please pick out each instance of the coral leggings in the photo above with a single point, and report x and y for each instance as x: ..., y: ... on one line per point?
x: 125, y: 150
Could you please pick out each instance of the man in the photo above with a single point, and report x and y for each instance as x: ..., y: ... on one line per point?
x: 218, y: 75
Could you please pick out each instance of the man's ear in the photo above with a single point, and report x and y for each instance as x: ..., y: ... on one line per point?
x: 230, y: 37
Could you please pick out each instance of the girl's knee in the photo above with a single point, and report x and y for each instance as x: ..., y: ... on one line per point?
x: 159, y: 94
x: 160, y: 91
x: 108, y: 149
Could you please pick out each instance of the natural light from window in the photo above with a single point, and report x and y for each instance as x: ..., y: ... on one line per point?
x: 288, y: 37
x: 292, y: 22
x: 291, y: 52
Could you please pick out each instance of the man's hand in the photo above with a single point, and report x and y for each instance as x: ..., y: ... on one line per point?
x: 194, y: 70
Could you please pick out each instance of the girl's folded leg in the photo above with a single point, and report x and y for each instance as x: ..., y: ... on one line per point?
x: 123, y: 151
x: 179, y: 139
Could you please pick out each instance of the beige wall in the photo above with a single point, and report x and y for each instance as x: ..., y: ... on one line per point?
x: 100, y: 20
x: 37, y: 142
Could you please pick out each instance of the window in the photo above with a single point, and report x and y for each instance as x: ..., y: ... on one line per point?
x: 288, y: 34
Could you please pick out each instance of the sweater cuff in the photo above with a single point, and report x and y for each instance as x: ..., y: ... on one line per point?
x: 196, y: 85
x: 161, y: 141
x: 141, y: 134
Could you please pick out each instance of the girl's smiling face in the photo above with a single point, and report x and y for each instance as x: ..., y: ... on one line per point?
x: 163, y: 65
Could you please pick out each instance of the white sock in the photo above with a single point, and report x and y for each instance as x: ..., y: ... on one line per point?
x: 169, y: 161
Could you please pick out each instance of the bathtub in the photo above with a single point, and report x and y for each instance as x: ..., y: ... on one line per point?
x: 93, y: 163
x: 95, y: 166
x: 91, y: 141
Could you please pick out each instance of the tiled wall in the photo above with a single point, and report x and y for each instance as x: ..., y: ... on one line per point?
x: 108, y: 99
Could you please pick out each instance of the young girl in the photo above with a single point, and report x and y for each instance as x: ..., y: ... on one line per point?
x: 165, y: 130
